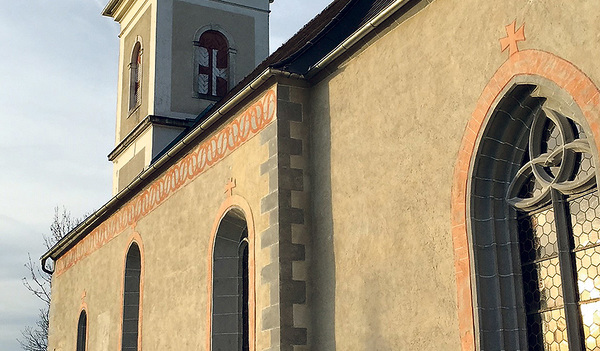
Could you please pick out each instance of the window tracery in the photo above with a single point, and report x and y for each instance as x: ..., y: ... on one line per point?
x: 535, y: 218
x: 547, y: 190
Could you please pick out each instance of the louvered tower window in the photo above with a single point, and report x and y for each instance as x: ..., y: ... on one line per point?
x: 212, y: 64
x: 135, y: 77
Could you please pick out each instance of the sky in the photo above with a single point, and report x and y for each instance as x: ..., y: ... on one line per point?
x: 57, y: 125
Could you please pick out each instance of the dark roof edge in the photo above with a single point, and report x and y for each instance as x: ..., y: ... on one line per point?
x: 349, y: 42
x: 281, y: 64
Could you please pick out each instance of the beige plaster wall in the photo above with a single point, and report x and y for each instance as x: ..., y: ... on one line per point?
x: 175, y: 238
x: 386, y: 132
x: 141, y: 29
x: 189, y: 18
x: 176, y: 242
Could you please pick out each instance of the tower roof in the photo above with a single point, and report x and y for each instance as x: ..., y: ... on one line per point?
x: 111, y: 8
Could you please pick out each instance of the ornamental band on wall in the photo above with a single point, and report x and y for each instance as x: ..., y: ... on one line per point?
x: 221, y: 144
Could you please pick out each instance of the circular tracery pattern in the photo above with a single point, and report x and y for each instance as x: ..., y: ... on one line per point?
x: 559, y: 158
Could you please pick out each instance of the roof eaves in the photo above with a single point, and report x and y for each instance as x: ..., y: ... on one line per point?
x: 79, y: 232
x: 248, y: 85
x: 354, y: 18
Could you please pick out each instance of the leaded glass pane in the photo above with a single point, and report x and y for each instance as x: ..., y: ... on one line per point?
x: 548, y: 331
x: 590, y: 313
x: 550, y: 141
x: 537, y: 235
x: 588, y: 280
x: 557, y: 168
x: 585, y: 219
x: 585, y: 213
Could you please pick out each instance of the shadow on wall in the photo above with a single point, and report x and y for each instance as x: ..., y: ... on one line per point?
x: 372, y: 308
x: 323, y: 261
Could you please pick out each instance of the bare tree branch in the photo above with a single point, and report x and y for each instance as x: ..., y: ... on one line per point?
x: 38, y: 282
x: 36, y: 338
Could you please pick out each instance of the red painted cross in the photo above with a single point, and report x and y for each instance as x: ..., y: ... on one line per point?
x: 229, y: 187
x: 512, y: 38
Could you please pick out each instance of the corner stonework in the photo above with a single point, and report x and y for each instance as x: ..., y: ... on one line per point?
x: 287, y: 237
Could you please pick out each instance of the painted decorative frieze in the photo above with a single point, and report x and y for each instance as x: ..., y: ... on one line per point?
x: 241, y: 129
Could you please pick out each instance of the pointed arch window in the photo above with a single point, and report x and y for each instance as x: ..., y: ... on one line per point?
x: 212, y: 61
x: 535, y: 221
x: 135, y: 77
x: 230, y: 329
x: 131, y: 299
x: 82, y: 331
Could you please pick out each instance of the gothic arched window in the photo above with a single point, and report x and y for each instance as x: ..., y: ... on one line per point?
x: 81, y: 331
x: 131, y: 299
x: 135, y: 77
x: 212, y: 64
x: 230, y: 329
x: 535, y: 221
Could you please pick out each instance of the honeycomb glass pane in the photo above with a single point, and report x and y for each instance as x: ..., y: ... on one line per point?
x: 590, y: 315
x: 537, y: 236
x: 588, y: 279
x: 548, y: 331
x: 585, y: 220
x: 542, y: 285
x: 584, y: 166
x: 551, y: 140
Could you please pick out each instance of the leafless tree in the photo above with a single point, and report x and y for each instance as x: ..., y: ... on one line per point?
x: 38, y: 282
x: 36, y: 338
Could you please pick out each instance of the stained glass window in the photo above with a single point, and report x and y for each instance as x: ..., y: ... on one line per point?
x: 556, y: 199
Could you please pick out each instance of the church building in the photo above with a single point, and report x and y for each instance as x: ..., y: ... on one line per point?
x: 399, y: 175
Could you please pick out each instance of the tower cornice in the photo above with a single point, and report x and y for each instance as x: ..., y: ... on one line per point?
x: 117, y: 8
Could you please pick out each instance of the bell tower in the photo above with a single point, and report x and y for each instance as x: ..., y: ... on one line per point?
x: 177, y: 57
